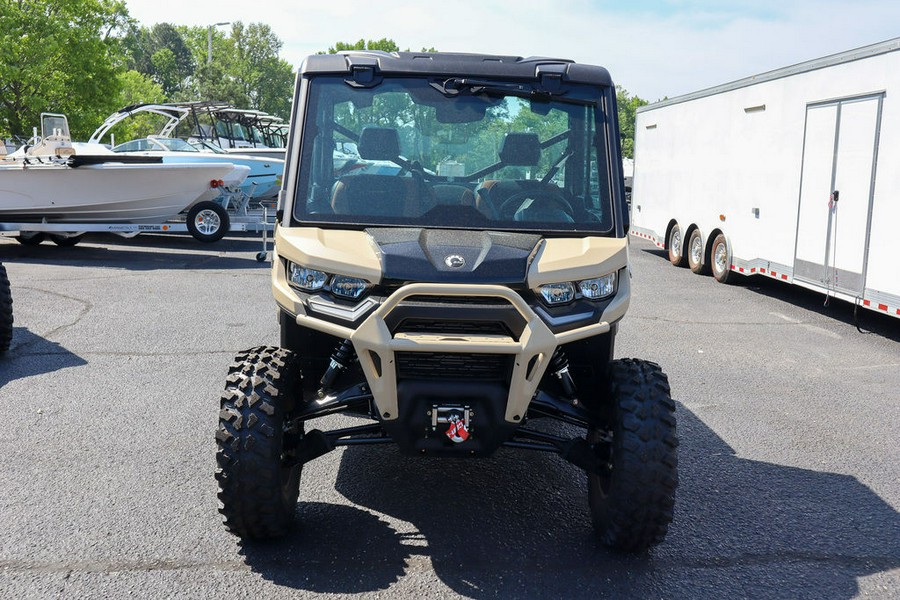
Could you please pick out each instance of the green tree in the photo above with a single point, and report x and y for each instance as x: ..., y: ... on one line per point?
x: 628, y: 106
x: 245, y: 69
x: 59, y: 56
x: 165, y: 71
x: 384, y: 44
x: 136, y: 88
x: 160, y: 52
x: 264, y: 78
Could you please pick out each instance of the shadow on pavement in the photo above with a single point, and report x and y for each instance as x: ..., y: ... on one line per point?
x: 333, y: 549
x: 517, y: 525
x: 870, y: 322
x: 30, y: 354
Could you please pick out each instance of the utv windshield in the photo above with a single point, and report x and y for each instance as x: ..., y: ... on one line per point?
x: 455, y: 153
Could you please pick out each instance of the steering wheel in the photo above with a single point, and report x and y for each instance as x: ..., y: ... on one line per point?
x: 515, y: 201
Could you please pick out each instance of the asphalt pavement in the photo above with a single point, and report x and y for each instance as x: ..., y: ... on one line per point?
x: 787, y: 417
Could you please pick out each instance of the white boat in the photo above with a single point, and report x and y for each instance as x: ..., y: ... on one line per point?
x: 50, y: 182
x: 264, y: 177
x: 200, y: 123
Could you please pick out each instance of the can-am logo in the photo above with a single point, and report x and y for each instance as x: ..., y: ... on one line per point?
x: 455, y: 261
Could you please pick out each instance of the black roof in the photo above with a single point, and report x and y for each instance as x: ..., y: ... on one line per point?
x: 455, y: 64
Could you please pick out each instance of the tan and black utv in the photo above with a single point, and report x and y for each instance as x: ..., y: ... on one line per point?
x: 451, y: 264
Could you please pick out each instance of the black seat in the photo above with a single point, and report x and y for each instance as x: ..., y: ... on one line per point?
x: 521, y: 150
x: 376, y: 195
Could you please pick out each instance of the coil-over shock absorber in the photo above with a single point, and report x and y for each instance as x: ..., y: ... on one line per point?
x: 341, y: 359
x: 559, y: 366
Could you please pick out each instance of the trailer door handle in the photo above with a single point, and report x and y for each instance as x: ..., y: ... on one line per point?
x: 835, y: 196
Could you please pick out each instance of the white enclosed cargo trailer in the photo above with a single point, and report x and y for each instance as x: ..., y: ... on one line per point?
x: 791, y: 174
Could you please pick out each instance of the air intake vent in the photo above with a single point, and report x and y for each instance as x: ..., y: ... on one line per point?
x: 453, y: 327
x: 452, y: 365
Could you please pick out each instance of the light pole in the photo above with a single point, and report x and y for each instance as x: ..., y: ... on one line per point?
x: 209, y: 31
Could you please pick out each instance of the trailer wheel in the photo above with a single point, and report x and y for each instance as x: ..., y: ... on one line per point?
x: 6, y: 312
x: 30, y: 239
x: 676, y: 247
x: 633, y: 501
x: 208, y: 222
x: 720, y: 259
x: 258, y: 474
x: 66, y: 241
x: 695, y: 253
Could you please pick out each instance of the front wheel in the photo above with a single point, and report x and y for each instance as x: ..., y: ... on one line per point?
x: 632, y: 500
x: 6, y: 312
x: 676, y: 247
x: 258, y: 474
x: 208, y: 222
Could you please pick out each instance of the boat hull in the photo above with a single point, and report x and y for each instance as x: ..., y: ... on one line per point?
x: 105, y: 193
x: 263, y: 181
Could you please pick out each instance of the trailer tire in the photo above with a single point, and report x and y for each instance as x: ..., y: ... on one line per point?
x: 695, y: 256
x: 30, y: 240
x: 676, y: 247
x: 208, y: 221
x: 6, y: 312
x: 259, y: 479
x: 66, y: 241
x: 720, y: 259
x: 633, y: 501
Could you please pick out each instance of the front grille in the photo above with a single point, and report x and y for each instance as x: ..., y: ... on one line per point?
x: 454, y: 365
x: 423, y: 325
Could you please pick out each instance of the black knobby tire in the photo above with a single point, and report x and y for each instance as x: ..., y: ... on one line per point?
x: 632, y: 502
x: 66, y: 241
x: 6, y: 312
x: 208, y: 221
x: 676, y: 247
x: 695, y: 258
x: 720, y: 259
x: 30, y: 240
x: 258, y: 481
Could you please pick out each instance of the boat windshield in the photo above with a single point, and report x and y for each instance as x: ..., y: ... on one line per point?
x: 455, y: 153
x: 155, y: 144
x: 207, y: 146
x: 174, y: 144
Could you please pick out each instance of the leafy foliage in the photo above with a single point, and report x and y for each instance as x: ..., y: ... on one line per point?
x: 384, y: 44
x: 628, y: 106
x: 245, y: 69
x: 136, y: 88
x: 59, y: 56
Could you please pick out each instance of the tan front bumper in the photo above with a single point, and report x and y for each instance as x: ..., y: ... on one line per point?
x: 532, y: 351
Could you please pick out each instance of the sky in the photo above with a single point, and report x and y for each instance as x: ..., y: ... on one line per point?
x: 652, y: 48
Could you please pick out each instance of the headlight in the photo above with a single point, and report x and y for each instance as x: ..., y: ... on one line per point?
x: 348, y: 287
x: 307, y: 279
x: 557, y: 293
x: 599, y: 288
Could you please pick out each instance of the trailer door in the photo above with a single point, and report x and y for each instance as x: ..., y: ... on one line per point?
x: 837, y: 182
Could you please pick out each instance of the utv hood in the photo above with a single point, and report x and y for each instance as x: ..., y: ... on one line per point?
x: 454, y: 256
